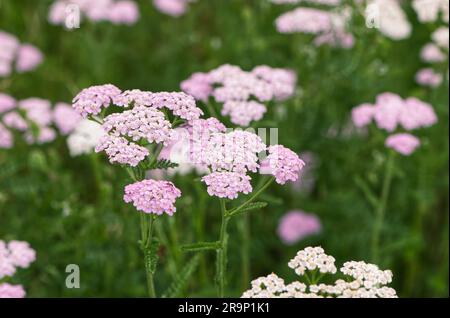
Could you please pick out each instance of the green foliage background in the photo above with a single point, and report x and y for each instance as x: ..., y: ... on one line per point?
x: 71, y: 209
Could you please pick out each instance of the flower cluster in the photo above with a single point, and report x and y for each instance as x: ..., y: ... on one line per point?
x: 85, y: 137
x: 17, y: 56
x: 296, y: 225
x: 430, y: 10
x: 92, y: 100
x: 283, y: 163
x: 14, y: 255
x: 362, y: 280
x: 34, y: 118
x: 115, y: 11
x: 242, y: 92
x: 120, y: 150
x: 227, y: 184
x: 404, y: 144
x: 389, y: 18
x: 174, y: 8
x: 151, y: 196
x: 329, y: 27
x: 390, y: 112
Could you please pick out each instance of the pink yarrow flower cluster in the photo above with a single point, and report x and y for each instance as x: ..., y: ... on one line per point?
x: 30, y: 114
x: 227, y: 184
x: 296, y: 225
x: 403, y: 143
x: 14, y: 255
x: 124, y: 12
x: 151, y: 196
x: 174, y: 8
x: 283, y: 163
x: 329, y: 27
x: 16, y: 56
x: 391, y: 112
x: 120, y: 150
x: 429, y: 77
x: 241, y: 92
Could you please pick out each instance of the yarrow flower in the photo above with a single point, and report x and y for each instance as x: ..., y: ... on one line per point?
x: 227, y: 184
x: 65, y: 118
x: 431, y: 53
x: 242, y: 92
x: 92, y: 100
x: 296, y: 225
x: 404, y: 144
x: 151, y: 196
x: 14, y: 55
x: 120, y: 150
x: 173, y: 8
x: 283, y: 163
x: 430, y: 10
x: 115, y: 11
x: 7, y: 103
x: 85, y: 137
x: 13, y: 255
x: 428, y: 77
x: 363, y: 280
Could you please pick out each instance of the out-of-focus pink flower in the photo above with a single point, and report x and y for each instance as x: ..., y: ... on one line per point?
x: 151, y: 196
x: 362, y: 115
x: 28, y: 58
x: 417, y: 114
x: 21, y: 254
x: 198, y: 85
x: 124, y: 12
x: 428, y: 77
x: 45, y: 135
x: 5, y: 68
x: 15, y: 121
x: 242, y: 113
x: 305, y: 20
x: 98, y: 10
x: 11, y: 291
x: 9, y: 45
x: 403, y: 143
x: 6, y: 103
x: 336, y: 39
x: 175, y: 8
x: 282, y: 163
x: 441, y: 37
x: 65, y: 118
x: 388, y: 106
x: 227, y: 184
x: 37, y: 110
x: 431, y: 53
x: 6, y: 138
x: 296, y: 225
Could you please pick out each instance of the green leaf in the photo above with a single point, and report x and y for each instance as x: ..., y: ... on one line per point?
x: 248, y: 207
x: 368, y: 193
x: 151, y: 256
x: 180, y: 282
x: 200, y: 246
x: 162, y: 164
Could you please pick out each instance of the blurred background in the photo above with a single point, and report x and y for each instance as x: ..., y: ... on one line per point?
x: 70, y: 209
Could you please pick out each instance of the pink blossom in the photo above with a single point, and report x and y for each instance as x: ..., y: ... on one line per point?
x: 227, y: 184
x: 151, y: 196
x: 91, y: 101
x: 120, y: 150
x: 7, y: 267
x: 417, y: 114
x: 296, y: 225
x: 388, y: 106
x: 28, y: 58
x: 428, y: 77
x: 139, y: 122
x: 98, y: 10
x: 336, y: 39
x: 45, y: 135
x: 173, y: 8
x: 242, y: 113
x: 9, y: 45
x: 15, y: 121
x: 57, y: 13
x: 431, y: 53
x: 6, y: 138
x: 282, y: 163
x: 37, y: 110
x: 283, y: 81
x: 198, y: 86
x: 6, y: 103
x: 403, y: 143
x: 21, y: 254
x: 11, y: 291
x: 5, y: 68
x: 65, y: 118
x: 306, y: 20
x: 362, y: 115
x: 124, y: 12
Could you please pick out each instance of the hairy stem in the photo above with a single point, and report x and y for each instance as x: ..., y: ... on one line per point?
x: 147, y: 224
x: 221, y: 264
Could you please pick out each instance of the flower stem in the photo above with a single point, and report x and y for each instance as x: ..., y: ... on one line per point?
x: 252, y: 198
x: 381, y: 209
x: 221, y: 265
x: 147, y: 222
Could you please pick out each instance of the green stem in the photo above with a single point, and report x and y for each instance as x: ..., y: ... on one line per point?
x: 252, y: 197
x: 221, y: 264
x: 211, y: 110
x: 381, y: 209
x: 147, y: 224
x: 244, y: 229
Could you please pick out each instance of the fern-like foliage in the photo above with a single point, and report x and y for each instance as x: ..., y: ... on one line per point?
x: 180, y: 282
x: 162, y: 164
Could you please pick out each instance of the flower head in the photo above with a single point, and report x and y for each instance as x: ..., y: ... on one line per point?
x: 21, y: 254
x: 123, y: 12
x: 368, y: 274
x: 65, y: 118
x: 227, y: 184
x: 6, y: 137
x: 312, y: 258
x: 11, y: 291
x: 404, y: 144
x: 242, y: 113
x: 173, y: 8
x: 85, y: 137
x: 362, y: 115
x: 151, y: 196
x: 28, y: 58
x: 295, y: 225
x: 6, y: 103
x: 120, y: 150
x: 91, y: 101
x: 428, y: 77
x: 283, y: 163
